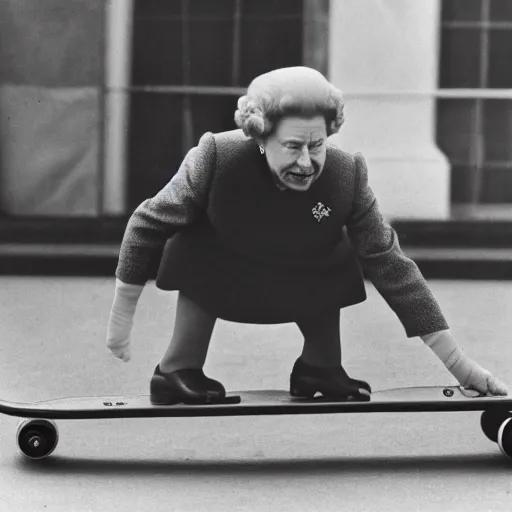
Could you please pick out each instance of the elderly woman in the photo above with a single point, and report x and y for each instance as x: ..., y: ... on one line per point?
x: 270, y: 224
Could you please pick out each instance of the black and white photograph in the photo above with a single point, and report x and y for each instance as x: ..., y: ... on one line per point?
x: 255, y: 255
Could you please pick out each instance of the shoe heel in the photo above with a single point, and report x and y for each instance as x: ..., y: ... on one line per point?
x: 164, y: 400
x: 302, y: 392
x: 159, y: 393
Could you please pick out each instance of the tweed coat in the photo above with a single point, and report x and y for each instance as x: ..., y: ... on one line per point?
x: 224, y: 234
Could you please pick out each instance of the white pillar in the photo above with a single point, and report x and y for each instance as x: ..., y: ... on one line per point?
x: 384, y: 56
x: 117, y: 77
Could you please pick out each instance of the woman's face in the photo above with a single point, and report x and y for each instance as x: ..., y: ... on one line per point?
x: 296, y: 151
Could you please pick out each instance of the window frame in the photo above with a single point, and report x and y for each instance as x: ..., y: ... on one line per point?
x: 477, y: 162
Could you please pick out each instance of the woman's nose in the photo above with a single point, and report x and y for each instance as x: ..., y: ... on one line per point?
x: 304, y: 159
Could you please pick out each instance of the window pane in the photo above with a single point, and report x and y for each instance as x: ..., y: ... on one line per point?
x: 455, y: 120
x: 501, y: 10
x: 500, y: 59
x: 460, y: 58
x: 270, y: 8
x: 157, y: 52
x: 498, y: 130
x: 211, y: 52
x: 463, y: 183
x: 497, y: 185
x: 213, y: 113
x: 155, y: 143
x: 268, y: 45
x: 461, y: 10
x: 156, y: 9
x: 52, y: 44
x: 210, y: 8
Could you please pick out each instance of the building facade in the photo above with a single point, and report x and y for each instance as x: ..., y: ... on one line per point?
x: 428, y: 89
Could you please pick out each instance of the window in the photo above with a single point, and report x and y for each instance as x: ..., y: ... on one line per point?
x: 202, y: 53
x: 475, y: 128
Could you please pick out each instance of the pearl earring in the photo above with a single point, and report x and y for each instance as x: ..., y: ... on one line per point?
x: 262, y: 150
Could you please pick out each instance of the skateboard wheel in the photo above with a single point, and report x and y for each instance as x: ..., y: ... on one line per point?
x: 37, y: 438
x: 505, y: 437
x: 491, y: 421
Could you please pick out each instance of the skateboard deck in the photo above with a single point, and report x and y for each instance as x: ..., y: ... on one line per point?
x: 259, y: 402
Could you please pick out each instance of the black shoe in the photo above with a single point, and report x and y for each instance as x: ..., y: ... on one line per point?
x: 332, y: 383
x: 188, y: 386
x: 215, y: 388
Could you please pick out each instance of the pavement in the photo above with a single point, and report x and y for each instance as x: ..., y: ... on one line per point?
x: 53, y: 345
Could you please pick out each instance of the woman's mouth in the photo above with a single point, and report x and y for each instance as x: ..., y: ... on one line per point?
x: 299, y: 177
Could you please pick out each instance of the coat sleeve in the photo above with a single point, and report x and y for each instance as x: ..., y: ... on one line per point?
x: 156, y: 219
x: 395, y: 276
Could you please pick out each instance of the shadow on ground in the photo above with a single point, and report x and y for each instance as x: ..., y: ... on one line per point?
x: 484, y: 463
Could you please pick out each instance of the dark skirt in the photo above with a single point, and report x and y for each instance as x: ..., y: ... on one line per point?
x: 235, y: 288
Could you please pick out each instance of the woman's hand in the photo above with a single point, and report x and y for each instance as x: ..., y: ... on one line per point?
x: 468, y: 372
x: 472, y: 376
x: 121, y: 319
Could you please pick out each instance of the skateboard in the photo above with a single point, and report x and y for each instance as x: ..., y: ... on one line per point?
x: 37, y: 434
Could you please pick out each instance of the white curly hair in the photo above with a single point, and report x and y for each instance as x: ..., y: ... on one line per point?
x: 295, y: 91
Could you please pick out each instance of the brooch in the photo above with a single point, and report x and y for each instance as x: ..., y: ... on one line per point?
x: 320, y: 211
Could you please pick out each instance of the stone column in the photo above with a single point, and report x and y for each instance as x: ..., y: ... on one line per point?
x: 384, y: 56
